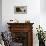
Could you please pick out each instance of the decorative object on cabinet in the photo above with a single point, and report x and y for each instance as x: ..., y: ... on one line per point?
x: 22, y: 33
x: 20, y: 9
x: 27, y: 21
x: 13, y: 21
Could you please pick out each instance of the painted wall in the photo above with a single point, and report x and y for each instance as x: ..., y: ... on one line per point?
x: 43, y: 6
x: 34, y: 14
x: 0, y: 15
x: 33, y: 11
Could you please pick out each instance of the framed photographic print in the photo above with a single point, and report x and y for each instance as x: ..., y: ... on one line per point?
x: 20, y: 9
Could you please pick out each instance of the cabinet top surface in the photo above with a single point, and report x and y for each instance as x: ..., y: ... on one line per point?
x: 20, y: 23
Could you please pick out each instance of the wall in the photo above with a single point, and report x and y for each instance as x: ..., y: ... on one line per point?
x: 43, y: 14
x: 34, y: 14
x: 33, y: 10
x: 0, y: 15
x: 43, y: 6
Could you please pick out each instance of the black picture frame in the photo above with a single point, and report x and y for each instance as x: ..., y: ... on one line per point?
x: 20, y: 9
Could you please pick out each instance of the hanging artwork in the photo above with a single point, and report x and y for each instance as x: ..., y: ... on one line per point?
x: 20, y: 9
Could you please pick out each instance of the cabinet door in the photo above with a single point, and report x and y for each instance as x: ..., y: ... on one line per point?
x: 20, y: 38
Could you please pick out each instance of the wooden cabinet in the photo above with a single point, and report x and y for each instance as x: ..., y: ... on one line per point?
x: 22, y: 33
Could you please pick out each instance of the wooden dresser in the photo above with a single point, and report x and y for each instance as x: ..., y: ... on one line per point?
x: 22, y: 33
